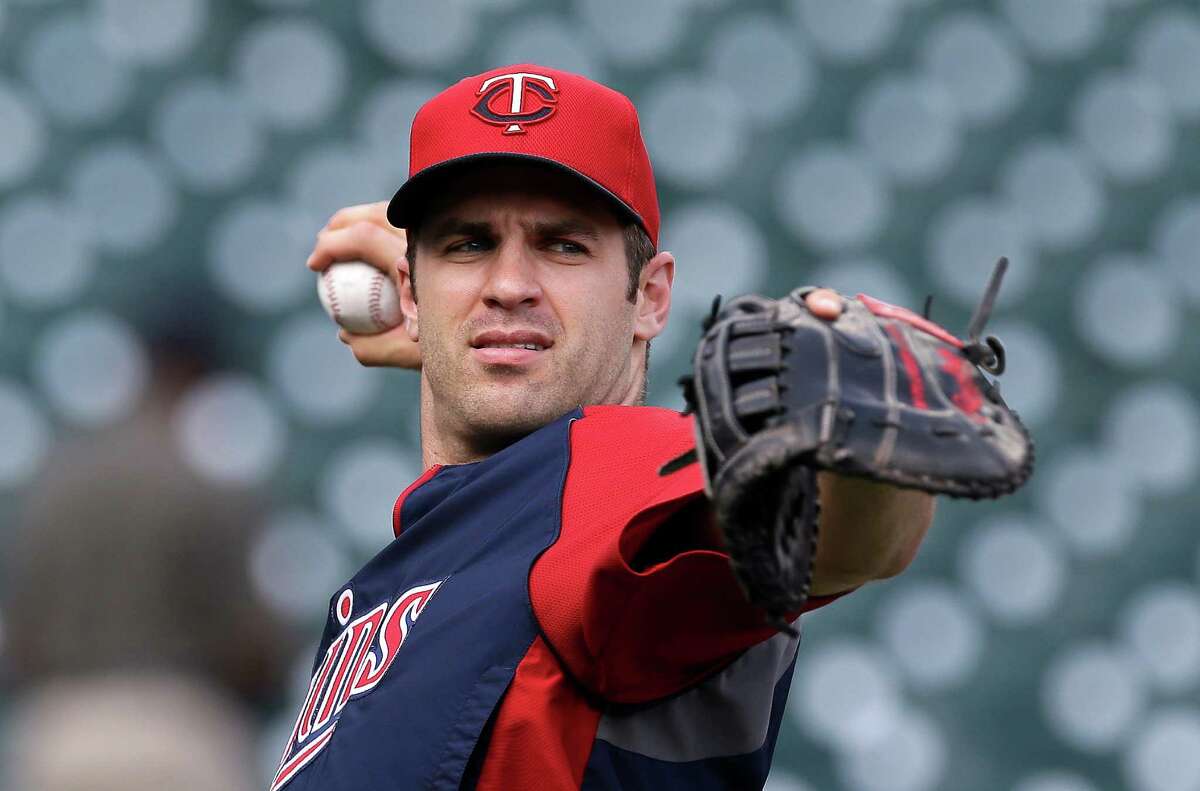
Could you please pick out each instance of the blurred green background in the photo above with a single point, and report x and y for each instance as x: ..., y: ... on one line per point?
x: 165, y: 165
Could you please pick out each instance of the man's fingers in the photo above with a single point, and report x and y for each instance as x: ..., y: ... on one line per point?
x: 392, y: 348
x: 363, y: 212
x: 825, y: 303
x: 362, y: 241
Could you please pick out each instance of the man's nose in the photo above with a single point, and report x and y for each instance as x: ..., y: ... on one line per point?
x: 512, y: 278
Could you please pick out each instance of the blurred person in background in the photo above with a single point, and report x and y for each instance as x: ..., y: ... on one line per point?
x: 131, y: 731
x: 134, y: 641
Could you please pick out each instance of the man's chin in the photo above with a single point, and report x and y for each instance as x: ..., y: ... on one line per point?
x: 515, y: 411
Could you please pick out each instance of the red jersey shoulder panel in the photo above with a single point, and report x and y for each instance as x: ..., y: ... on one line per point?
x: 634, y: 635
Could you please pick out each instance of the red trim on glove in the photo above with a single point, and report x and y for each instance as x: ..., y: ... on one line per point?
x: 916, y: 385
x: 888, y: 310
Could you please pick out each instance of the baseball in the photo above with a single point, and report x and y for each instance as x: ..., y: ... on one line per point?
x: 359, y: 297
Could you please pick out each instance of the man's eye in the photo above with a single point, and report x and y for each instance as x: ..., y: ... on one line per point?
x: 566, y: 246
x: 468, y: 246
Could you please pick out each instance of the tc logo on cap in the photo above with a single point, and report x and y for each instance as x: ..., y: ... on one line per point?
x: 538, y: 88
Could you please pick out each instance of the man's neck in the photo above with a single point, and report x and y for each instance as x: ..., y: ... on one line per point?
x: 441, y: 444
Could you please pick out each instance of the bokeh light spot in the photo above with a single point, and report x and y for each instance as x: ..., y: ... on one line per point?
x: 1057, y: 30
x: 315, y: 372
x: 296, y: 564
x: 228, y: 430
x: 123, y: 193
x: 418, y: 33
x: 293, y: 72
x: 1164, y: 753
x: 1167, y: 50
x: 1176, y: 239
x: 1160, y: 625
x: 965, y: 240
x: 1127, y: 311
x: 92, y: 368
x: 849, y: 30
x: 935, y: 635
x: 26, y: 433
x: 1057, y: 189
x: 256, y: 255
x: 360, y: 484
x: 1123, y: 120
x: 1016, y: 570
x: 209, y: 134
x: 46, y: 254
x: 762, y: 51
x: 552, y: 41
x: 76, y: 79
x: 1092, y: 695
x: 634, y: 32
x: 975, y: 58
x: 846, y: 693
x: 912, y: 758
x: 694, y: 130
x: 1089, y: 497
x: 833, y: 197
x: 151, y: 32
x: 909, y: 126
x: 1153, y: 427
x: 22, y: 134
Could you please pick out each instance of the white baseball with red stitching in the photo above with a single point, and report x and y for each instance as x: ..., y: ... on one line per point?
x: 359, y: 297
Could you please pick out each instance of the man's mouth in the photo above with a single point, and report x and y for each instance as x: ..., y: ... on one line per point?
x: 509, y: 347
x: 533, y: 347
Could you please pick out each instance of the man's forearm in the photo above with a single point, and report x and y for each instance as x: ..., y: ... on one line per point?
x: 868, y: 531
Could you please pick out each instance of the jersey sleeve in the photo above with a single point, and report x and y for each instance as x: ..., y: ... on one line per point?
x: 631, y: 633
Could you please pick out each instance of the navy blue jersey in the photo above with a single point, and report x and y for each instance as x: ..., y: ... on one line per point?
x: 518, y: 632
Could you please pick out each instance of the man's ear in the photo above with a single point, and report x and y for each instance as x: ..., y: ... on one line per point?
x: 408, y: 299
x: 654, y: 296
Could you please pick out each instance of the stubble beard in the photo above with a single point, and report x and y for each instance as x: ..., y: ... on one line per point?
x: 492, y: 411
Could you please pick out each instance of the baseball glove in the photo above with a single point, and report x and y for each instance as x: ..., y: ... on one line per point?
x: 881, y: 393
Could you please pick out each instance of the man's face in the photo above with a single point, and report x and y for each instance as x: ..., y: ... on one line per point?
x: 522, y: 311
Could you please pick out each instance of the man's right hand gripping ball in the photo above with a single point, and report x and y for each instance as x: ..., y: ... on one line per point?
x: 363, y: 233
x: 878, y: 393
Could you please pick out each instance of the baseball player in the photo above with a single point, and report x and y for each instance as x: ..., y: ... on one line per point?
x: 558, y: 608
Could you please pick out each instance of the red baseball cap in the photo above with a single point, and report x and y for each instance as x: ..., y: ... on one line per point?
x: 533, y: 113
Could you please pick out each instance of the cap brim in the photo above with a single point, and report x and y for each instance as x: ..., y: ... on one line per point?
x: 406, y: 205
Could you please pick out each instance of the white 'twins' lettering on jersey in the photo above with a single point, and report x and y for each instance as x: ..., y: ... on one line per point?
x: 355, y: 662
